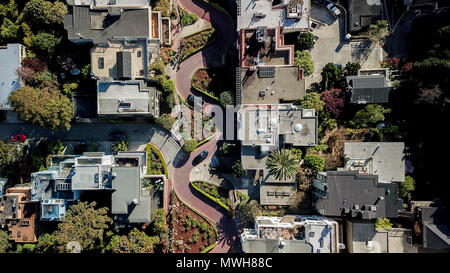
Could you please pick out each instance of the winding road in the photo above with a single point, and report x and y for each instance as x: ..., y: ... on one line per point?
x: 183, y: 164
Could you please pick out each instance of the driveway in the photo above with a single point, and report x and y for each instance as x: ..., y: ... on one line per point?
x: 331, y: 48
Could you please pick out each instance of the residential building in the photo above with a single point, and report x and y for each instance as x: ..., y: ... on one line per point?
x: 363, y: 237
x: 365, y: 89
x: 58, y: 187
x: 289, y: 14
x: 432, y: 225
x: 20, y: 215
x: 292, y: 234
x: 11, y: 54
x: 361, y: 14
x: 354, y: 195
x: 384, y: 159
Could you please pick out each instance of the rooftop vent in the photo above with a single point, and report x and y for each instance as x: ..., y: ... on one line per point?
x: 298, y: 127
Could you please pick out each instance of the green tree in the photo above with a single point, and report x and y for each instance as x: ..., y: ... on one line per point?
x: 331, y: 74
x: 190, y: 145
x: 312, y: 101
x: 226, y: 98
x: 159, y: 224
x: 46, y: 244
x: 238, y: 170
x: 351, y: 69
x: 47, y: 108
x: 122, y: 146
x: 43, y: 12
x: 405, y: 188
x: 9, y: 10
x: 5, y: 245
x: 283, y: 164
x: 247, y: 213
x: 45, y: 44
x: 371, y: 115
x: 166, y: 121
x: 305, y: 41
x: 9, y: 32
x: 315, y: 162
x: 158, y: 67
x: 136, y: 242
x: 383, y: 223
x: 83, y: 224
x: 304, y: 60
x: 297, y: 152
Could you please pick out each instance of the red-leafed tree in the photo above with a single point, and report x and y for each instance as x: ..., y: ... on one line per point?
x: 334, y: 101
x: 407, y: 67
x: 34, y: 63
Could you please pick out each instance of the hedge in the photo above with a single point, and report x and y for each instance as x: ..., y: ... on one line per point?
x: 216, y: 231
x: 205, y: 140
x: 200, y: 48
x: 199, y: 89
x: 151, y: 146
x: 183, y: 100
x: 210, y: 197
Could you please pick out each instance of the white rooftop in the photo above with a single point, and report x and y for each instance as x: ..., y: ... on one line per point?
x: 9, y: 80
x: 112, y: 3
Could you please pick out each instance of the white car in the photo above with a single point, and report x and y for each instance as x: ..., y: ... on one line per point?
x: 333, y: 9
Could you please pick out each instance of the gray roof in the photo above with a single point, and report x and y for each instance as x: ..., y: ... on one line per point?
x: 362, y: 13
x: 277, y: 194
x: 368, y: 89
x: 341, y: 190
x: 98, y: 26
x: 123, y: 65
x: 436, y: 227
x: 126, y: 186
x: 385, y: 159
x: 273, y: 246
x: 9, y: 80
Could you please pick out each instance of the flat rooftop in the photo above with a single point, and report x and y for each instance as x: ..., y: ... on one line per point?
x: 385, y: 159
x: 280, y: 84
x: 276, y: 195
x: 105, y: 61
x: 109, y: 3
x: 9, y: 80
x: 292, y: 14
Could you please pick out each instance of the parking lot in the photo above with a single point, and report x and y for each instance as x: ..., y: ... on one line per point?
x: 330, y: 47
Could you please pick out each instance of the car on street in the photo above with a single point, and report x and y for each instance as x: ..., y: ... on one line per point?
x: 312, y: 25
x: 191, y: 100
x: 333, y: 9
x: 200, y: 158
x: 117, y: 136
x: 18, y: 138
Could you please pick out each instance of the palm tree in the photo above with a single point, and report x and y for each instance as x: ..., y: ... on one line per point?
x: 283, y: 164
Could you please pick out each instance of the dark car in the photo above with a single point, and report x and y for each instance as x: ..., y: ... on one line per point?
x: 117, y: 136
x: 200, y: 158
x: 191, y: 100
x: 18, y: 138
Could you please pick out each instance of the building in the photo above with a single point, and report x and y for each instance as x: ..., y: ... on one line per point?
x: 385, y: 159
x: 354, y: 195
x: 123, y: 175
x: 20, y: 215
x: 365, y: 89
x: 361, y: 14
x: 289, y: 14
x: 11, y: 54
x: 363, y: 237
x: 432, y: 224
x: 291, y: 234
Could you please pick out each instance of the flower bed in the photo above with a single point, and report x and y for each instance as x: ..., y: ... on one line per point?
x: 197, y: 233
x: 195, y: 42
x: 211, y: 82
x: 155, y: 161
x: 216, y: 194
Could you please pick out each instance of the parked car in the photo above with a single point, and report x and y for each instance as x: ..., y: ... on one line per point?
x: 200, y: 158
x: 117, y: 136
x: 18, y: 138
x: 191, y: 100
x: 333, y: 9
x: 312, y: 25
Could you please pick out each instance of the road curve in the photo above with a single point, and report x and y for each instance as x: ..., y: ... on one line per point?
x: 225, y: 37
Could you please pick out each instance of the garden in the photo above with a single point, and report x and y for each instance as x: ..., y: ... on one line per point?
x: 191, y: 233
x: 155, y: 161
x: 212, y: 82
x: 193, y: 43
x: 215, y: 193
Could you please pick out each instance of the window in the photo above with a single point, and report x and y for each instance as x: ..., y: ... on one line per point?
x: 139, y: 53
x: 25, y: 223
x: 101, y: 63
x: 125, y: 104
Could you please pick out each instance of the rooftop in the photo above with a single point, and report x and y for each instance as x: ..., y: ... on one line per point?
x: 385, y: 159
x: 276, y: 194
x: 12, y: 55
x: 362, y: 13
x: 110, y: 3
x: 338, y: 193
x: 368, y: 89
x: 130, y: 97
x: 270, y: 85
x: 292, y: 14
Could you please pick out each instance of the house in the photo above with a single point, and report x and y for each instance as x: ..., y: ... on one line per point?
x: 361, y: 14
x: 385, y: 159
x: 20, y: 215
x: 365, y: 89
x: 432, y: 224
x: 289, y: 14
x: 62, y: 184
x: 291, y: 234
x: 11, y: 54
x: 363, y: 237
x: 354, y: 195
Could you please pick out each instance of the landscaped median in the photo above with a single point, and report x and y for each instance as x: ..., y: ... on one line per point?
x: 156, y: 163
x: 193, y: 43
x: 217, y: 194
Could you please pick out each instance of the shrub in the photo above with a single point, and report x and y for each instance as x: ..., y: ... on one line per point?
x: 305, y: 41
x: 190, y: 145
x: 351, y: 69
x: 331, y: 74
x: 238, y: 170
x: 45, y: 44
x: 195, y: 236
x: 226, y: 98
x: 312, y: 101
x: 405, y: 188
x: 203, y: 227
x: 383, y: 223
x: 166, y: 121
x: 304, y: 60
x: 315, y: 162
x: 334, y: 102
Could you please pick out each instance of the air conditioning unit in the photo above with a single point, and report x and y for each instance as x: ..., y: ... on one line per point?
x: 356, y: 206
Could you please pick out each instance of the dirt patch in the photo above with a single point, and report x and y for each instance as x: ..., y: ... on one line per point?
x: 202, y: 79
x: 191, y: 232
